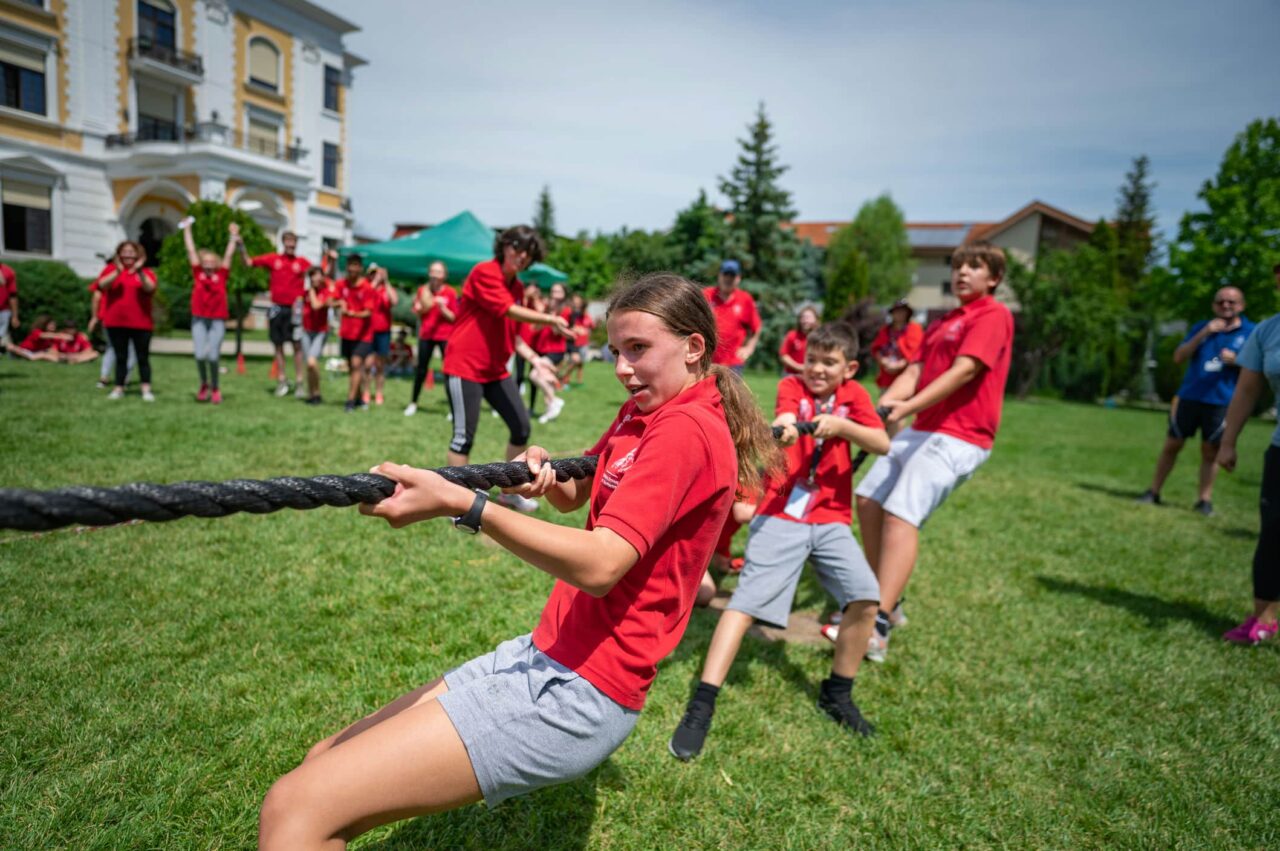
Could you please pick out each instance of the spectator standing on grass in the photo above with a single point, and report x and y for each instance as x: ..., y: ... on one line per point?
x: 8, y: 303
x: 436, y: 305
x: 385, y: 298
x: 108, y: 370
x: 287, y: 271
x: 1210, y: 347
x: 320, y: 296
x: 127, y: 289
x: 208, y: 306
x: 896, y: 344
x: 791, y: 352
x: 737, y: 320
x: 356, y: 330
x: 1258, y: 362
x: 581, y: 323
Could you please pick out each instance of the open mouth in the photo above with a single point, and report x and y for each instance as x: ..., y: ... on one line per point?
x: 637, y: 389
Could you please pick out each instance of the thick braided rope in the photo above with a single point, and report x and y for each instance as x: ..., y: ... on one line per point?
x: 38, y: 511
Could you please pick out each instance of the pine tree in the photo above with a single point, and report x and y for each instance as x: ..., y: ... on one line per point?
x: 1135, y: 228
x: 698, y: 240
x: 544, y: 217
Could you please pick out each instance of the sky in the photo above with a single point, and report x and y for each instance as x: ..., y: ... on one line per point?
x: 961, y: 111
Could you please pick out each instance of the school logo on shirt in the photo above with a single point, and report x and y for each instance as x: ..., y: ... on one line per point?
x: 806, y: 410
x: 737, y: 310
x: 953, y: 330
x: 613, y: 475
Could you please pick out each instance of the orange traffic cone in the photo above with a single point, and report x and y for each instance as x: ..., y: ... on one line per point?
x: 431, y: 379
x: 275, y: 370
x: 240, y: 363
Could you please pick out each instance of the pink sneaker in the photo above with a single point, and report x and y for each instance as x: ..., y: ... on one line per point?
x: 364, y: 397
x: 1252, y: 632
x: 217, y: 397
x: 377, y: 400
x: 203, y: 395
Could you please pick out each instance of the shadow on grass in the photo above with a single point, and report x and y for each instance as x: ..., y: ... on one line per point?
x: 558, y: 817
x: 1156, y: 611
x: 1128, y: 494
x: 1240, y: 533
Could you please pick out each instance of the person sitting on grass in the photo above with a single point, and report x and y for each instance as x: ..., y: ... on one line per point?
x: 955, y: 388
x: 549, y: 706
x: 804, y: 515
x: 356, y: 330
x: 208, y: 306
x: 1259, y: 361
x: 1201, y: 403
x: 73, y: 346
x: 41, y: 342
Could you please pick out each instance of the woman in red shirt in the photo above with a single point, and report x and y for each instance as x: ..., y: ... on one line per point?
x: 385, y: 297
x: 581, y: 323
x: 436, y: 305
x: 484, y: 337
x: 319, y: 294
x: 127, y: 288
x: 791, y: 352
x: 41, y: 342
x: 208, y: 306
x: 550, y: 706
x: 896, y: 344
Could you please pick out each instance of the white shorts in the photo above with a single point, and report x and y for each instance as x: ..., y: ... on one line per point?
x: 919, y: 473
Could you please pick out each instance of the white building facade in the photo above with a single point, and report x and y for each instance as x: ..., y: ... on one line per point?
x: 118, y: 114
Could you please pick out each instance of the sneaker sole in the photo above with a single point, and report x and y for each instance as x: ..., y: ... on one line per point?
x: 672, y: 751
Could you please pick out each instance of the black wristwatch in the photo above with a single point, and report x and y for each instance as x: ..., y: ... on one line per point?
x: 470, y: 522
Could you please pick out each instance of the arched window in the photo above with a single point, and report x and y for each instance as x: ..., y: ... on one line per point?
x: 264, y: 64
x: 151, y: 236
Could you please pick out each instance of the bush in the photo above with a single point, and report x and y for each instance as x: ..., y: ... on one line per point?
x: 48, y: 286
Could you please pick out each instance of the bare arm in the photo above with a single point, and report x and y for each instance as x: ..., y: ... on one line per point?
x: 791, y: 363
x: 190, y: 242
x: 964, y: 370
x: 534, y: 317
x: 904, y: 386
x: 870, y: 438
x: 1248, y: 388
x: 1188, y: 348
x: 749, y: 347
x: 108, y: 277
x: 233, y: 239
x: 448, y: 314
x: 565, y: 496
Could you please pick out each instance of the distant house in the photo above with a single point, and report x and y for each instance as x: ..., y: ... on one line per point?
x: 1025, y: 234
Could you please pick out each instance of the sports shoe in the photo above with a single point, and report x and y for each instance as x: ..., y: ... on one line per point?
x: 216, y: 397
x: 411, y: 410
x: 518, y: 502
x: 364, y: 398
x: 1149, y: 497
x: 686, y: 741
x: 349, y: 407
x: 102, y: 385
x: 315, y: 400
x: 300, y: 392
x: 148, y: 396
x: 116, y: 393
x: 203, y: 395
x: 553, y: 411
x: 735, y: 565
x: 898, y: 617
x: 282, y: 389
x: 1252, y: 632
x: 1203, y: 506
x: 830, y: 631
x: 877, y: 647
x: 845, y: 712
x: 377, y: 400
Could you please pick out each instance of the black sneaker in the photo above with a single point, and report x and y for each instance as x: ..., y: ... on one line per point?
x: 686, y: 741
x: 315, y: 400
x: 845, y: 712
x: 1203, y: 506
x: 1149, y: 497
x: 349, y: 407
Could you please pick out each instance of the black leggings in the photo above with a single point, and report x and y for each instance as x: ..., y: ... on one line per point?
x: 502, y: 396
x: 120, y: 339
x: 1266, y: 558
x: 425, y: 349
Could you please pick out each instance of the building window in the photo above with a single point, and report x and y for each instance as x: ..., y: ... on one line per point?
x: 156, y: 24
x: 24, y: 82
x: 332, y: 85
x: 264, y: 64
x: 157, y: 115
x: 331, y: 161
x: 27, y: 216
x: 946, y: 287
x: 264, y: 136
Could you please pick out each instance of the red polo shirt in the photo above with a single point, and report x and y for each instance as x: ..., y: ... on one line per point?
x: 78, y: 343
x: 36, y: 341
x: 905, y: 344
x: 8, y: 285
x: 793, y: 346
x: 316, y: 319
x: 209, y: 293
x: 665, y: 483
x: 832, y: 499
x: 736, y: 320
x: 982, y: 330
x: 381, y: 309
x: 434, y: 326
x: 586, y: 323
x: 357, y: 298
x: 126, y: 304
x: 484, y: 337
x: 288, y: 276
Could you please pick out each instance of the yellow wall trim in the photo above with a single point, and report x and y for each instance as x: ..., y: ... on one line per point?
x: 245, y: 29
x: 332, y: 200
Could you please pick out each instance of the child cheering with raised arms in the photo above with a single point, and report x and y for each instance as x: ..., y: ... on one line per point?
x: 550, y: 706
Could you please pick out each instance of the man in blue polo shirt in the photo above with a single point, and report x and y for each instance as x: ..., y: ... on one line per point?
x: 1201, y: 404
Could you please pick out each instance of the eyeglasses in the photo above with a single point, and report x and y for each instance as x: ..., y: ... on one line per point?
x: 1225, y: 301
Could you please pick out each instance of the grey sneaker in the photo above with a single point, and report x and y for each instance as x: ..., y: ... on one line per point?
x: 1203, y: 506
x: 522, y: 504
x: 1149, y: 497
x: 686, y: 741
x: 877, y: 647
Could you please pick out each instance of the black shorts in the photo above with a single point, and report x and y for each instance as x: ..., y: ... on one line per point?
x: 1188, y: 416
x: 554, y: 357
x: 280, y: 324
x: 571, y: 349
x: 356, y: 349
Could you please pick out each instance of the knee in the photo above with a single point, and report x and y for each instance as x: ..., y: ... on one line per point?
x: 520, y: 436
x: 284, y: 821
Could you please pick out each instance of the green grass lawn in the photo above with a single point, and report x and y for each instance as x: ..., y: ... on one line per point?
x: 1061, y: 683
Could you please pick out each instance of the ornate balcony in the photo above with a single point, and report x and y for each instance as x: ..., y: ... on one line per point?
x: 163, y: 60
x: 155, y: 132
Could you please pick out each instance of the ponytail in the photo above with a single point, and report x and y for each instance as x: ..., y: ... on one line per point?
x: 752, y: 437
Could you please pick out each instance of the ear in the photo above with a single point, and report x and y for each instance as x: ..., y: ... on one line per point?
x: 850, y: 370
x: 695, y: 348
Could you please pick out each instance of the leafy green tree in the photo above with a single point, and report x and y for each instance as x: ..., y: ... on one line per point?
x: 880, y: 233
x: 699, y: 240
x: 587, y: 264
x: 1236, y: 239
x: 637, y: 252
x: 210, y: 231
x: 544, y: 216
x: 845, y: 276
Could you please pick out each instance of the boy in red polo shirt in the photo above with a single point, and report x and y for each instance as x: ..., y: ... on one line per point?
x: 288, y: 283
x: 737, y: 320
x: 804, y: 514
x: 356, y: 330
x: 955, y: 388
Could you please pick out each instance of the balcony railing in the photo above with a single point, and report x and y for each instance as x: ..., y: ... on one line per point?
x: 207, y: 132
x: 143, y: 47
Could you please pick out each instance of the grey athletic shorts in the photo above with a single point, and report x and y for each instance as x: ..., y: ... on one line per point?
x: 776, y: 553
x: 528, y: 722
x: 920, y: 472
x: 313, y: 343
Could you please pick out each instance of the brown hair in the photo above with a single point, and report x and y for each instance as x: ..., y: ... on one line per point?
x: 137, y: 249
x: 808, y: 308
x: 838, y: 336
x: 984, y: 253
x: 685, y: 311
x: 521, y: 238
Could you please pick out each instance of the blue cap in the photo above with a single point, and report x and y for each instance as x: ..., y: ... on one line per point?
x: 731, y: 267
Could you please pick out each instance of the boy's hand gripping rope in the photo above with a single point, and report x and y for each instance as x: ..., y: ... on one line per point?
x: 40, y: 511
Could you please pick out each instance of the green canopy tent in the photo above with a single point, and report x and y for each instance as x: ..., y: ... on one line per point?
x: 460, y: 243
